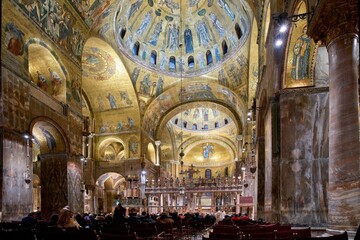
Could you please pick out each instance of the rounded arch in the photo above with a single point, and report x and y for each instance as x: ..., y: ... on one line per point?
x: 301, y: 52
x: 109, y: 180
x: 219, y: 107
x: 111, y: 149
x: 109, y: 89
x: 49, y: 136
x: 223, y: 151
x: 192, y: 92
x: 254, y: 62
x: 151, y: 153
x: 46, y: 69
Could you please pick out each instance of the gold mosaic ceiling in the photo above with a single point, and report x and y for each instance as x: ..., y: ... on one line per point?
x: 187, y: 38
x: 150, y: 60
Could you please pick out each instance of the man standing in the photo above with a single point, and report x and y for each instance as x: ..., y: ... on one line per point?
x: 119, y: 213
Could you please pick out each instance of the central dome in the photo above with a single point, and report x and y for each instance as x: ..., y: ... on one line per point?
x: 181, y: 38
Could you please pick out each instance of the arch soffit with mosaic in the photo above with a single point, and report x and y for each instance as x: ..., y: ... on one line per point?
x: 116, y: 179
x: 104, y: 143
x: 42, y: 58
x: 205, y: 104
x: 192, y: 92
x: 293, y: 76
x: 198, y: 140
x: 104, y: 71
x: 49, y: 135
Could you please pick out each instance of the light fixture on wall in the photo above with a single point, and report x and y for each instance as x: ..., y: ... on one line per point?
x: 28, y: 137
x: 27, y: 175
x: 83, y: 160
x: 283, y: 20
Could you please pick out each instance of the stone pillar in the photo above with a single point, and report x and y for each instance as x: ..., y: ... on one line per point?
x: 237, y: 202
x: 335, y: 24
x: 157, y: 143
x: 161, y: 203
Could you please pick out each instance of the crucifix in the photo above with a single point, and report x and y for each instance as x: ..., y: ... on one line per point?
x: 190, y: 171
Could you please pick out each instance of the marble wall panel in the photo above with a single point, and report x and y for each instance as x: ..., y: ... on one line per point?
x: 304, y: 158
x: 17, y: 197
x: 54, y: 193
x: 75, y: 185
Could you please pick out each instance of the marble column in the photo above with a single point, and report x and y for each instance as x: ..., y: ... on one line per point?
x: 237, y: 202
x: 339, y: 31
x: 161, y: 203
x: 157, y: 143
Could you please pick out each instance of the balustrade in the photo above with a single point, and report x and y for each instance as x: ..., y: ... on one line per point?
x: 172, y: 185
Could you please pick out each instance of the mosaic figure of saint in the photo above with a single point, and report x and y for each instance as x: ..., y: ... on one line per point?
x: 173, y: 37
x: 225, y: 6
x: 135, y: 76
x: 42, y: 81
x: 201, y: 60
x: 133, y: 8
x: 14, y: 39
x: 144, y: 24
x: 217, y: 24
x: 50, y: 140
x: 145, y: 85
x: 64, y: 30
x: 300, y: 62
x: 217, y: 53
x: 56, y: 81
x: 133, y: 147
x: 203, y: 33
x: 155, y: 35
x: 112, y: 101
x: 75, y: 89
x: 131, y: 122
x: 159, y: 86
x: 207, y: 150
x: 188, y: 40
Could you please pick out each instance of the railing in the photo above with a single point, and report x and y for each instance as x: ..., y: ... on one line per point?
x: 174, y: 185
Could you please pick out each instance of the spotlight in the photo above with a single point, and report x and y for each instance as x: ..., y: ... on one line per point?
x: 278, y: 42
x: 283, y: 28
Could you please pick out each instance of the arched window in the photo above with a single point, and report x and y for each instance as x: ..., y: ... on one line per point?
x: 185, y: 124
x: 153, y: 57
x: 176, y: 121
x: 194, y: 127
x: 208, y: 173
x: 122, y: 33
x: 209, y: 58
x: 172, y: 63
x: 136, y: 48
x: 238, y: 31
x: 191, y: 62
x: 226, y: 121
x: 224, y: 47
x: 216, y: 124
x: 206, y: 127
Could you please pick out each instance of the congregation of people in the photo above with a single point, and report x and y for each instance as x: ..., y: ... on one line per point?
x: 130, y: 223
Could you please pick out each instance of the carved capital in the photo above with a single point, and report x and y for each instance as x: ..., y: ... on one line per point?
x: 332, y: 19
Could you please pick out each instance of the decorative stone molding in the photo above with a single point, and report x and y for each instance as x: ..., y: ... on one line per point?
x: 332, y: 19
x: 302, y: 91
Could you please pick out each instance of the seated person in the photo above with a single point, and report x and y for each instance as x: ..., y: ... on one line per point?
x: 164, y: 218
x: 66, y: 219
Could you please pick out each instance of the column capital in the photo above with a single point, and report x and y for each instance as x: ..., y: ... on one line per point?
x: 332, y: 19
x: 157, y: 143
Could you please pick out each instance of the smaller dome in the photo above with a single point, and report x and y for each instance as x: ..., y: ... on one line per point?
x: 201, y: 119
